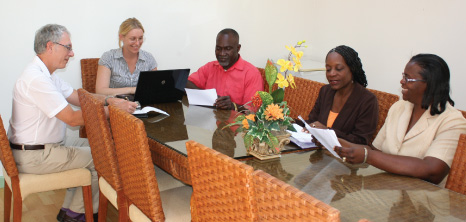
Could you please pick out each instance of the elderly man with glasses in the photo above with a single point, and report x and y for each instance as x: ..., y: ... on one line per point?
x: 41, y: 111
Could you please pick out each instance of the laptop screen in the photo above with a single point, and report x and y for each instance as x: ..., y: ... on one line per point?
x: 161, y: 86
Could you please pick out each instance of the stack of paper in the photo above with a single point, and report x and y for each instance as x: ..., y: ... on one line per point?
x: 300, y: 138
x: 326, y: 137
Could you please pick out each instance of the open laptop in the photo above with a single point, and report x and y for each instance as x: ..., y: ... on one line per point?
x: 161, y: 86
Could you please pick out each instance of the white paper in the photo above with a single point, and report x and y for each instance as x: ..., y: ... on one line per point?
x: 326, y: 137
x: 302, y: 145
x: 149, y: 109
x: 300, y: 135
x: 205, y: 97
x: 300, y: 138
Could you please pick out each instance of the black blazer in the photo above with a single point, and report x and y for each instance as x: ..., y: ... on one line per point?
x: 356, y: 121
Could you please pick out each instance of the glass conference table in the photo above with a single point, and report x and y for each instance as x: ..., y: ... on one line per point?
x: 358, y: 191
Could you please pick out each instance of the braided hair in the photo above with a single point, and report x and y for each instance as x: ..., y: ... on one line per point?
x: 436, y: 73
x: 353, y: 61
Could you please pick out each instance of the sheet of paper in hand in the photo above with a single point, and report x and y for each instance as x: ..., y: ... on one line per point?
x: 202, y: 97
x: 300, y: 138
x: 326, y: 137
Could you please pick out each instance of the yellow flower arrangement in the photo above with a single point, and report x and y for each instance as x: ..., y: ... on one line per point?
x: 281, y: 81
x: 271, y: 112
x: 288, y: 65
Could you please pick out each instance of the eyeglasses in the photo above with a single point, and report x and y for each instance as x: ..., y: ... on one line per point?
x: 410, y: 80
x: 133, y: 40
x: 66, y: 46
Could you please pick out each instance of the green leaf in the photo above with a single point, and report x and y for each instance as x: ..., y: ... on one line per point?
x: 251, y: 123
x: 286, y: 109
x: 286, y: 121
x: 231, y: 124
x: 240, y: 118
x: 239, y: 130
x: 278, y: 95
x: 255, y: 131
x: 271, y: 73
x: 265, y: 97
x: 248, y: 140
x: 273, y: 143
x: 260, y: 111
x: 275, y: 126
x: 291, y: 128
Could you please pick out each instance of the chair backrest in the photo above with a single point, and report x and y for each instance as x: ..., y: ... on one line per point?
x: 463, y: 112
x: 6, y: 156
x: 266, y: 85
x: 100, y: 138
x: 134, y: 159
x: 301, y: 100
x: 221, y: 185
x: 89, y: 73
x: 277, y: 201
x: 385, y: 101
x: 457, y: 177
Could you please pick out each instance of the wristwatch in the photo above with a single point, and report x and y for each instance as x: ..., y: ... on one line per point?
x: 108, y: 97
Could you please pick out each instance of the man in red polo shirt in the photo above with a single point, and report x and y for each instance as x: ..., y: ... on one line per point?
x: 235, y: 79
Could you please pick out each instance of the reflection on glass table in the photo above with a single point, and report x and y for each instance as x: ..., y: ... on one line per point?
x: 204, y: 125
x: 358, y: 191
x: 363, y: 191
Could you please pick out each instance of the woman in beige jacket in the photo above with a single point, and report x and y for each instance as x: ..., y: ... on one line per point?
x: 421, y: 132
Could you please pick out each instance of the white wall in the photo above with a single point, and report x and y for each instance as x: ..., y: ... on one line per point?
x: 387, y: 33
x: 181, y: 33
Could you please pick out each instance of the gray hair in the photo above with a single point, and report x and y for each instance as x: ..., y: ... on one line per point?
x: 48, y: 33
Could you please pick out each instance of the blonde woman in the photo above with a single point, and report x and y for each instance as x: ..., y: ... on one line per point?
x: 119, y: 69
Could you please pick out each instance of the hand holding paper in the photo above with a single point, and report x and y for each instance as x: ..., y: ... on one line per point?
x: 326, y: 137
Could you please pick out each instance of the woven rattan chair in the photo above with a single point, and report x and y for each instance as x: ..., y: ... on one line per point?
x: 21, y: 184
x: 457, y: 177
x: 302, y: 99
x: 385, y: 100
x: 138, y: 176
x: 464, y: 113
x: 104, y: 155
x: 88, y: 78
x: 89, y: 73
x: 221, y: 186
x: 277, y: 201
x: 136, y: 169
x: 266, y: 85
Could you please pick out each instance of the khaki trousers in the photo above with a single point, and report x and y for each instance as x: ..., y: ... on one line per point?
x: 72, y: 154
